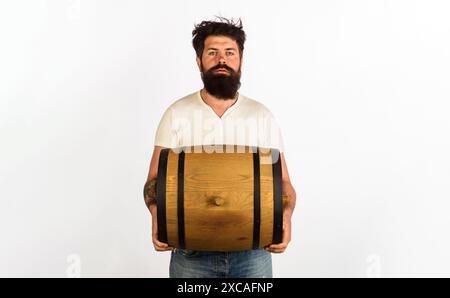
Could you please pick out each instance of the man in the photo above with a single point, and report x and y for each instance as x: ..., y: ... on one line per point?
x: 212, y: 116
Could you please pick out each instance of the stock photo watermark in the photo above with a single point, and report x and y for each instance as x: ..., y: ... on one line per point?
x: 73, y: 9
x: 208, y: 135
x: 373, y: 269
x: 73, y: 266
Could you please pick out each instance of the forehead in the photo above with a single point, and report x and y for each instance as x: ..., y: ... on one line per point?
x: 220, y: 42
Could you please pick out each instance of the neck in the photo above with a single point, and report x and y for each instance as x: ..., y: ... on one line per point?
x: 216, y: 102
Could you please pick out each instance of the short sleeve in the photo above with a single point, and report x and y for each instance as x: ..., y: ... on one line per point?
x: 165, y: 134
x: 270, y: 132
x: 276, y: 135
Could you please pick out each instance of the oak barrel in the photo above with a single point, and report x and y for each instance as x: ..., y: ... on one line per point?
x: 219, y: 197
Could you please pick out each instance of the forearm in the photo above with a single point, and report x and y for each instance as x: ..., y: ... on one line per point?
x: 150, y: 201
x: 289, y: 200
x: 150, y: 194
x: 152, y: 209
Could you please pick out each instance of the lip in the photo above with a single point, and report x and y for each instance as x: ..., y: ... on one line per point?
x: 222, y: 69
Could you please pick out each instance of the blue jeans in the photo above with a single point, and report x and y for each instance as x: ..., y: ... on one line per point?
x: 255, y: 263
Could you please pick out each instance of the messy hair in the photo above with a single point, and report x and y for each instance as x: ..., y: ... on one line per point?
x: 223, y: 27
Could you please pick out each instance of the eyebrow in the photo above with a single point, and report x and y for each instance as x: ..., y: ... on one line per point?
x: 233, y: 49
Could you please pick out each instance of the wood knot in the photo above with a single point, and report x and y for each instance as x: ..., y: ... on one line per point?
x: 218, y: 201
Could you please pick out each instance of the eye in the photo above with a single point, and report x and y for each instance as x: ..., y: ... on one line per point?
x: 211, y: 53
x: 230, y: 53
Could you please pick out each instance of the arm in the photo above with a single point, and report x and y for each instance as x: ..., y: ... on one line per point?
x: 149, y: 191
x: 289, y: 194
x: 289, y: 200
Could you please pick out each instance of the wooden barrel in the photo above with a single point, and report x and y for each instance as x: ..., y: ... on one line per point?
x: 219, y: 197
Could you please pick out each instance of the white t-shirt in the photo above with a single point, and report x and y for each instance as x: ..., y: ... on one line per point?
x: 189, y: 121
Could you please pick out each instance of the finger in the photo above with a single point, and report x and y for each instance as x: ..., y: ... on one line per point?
x: 277, y: 251
x: 159, y: 243
x: 278, y: 246
x: 274, y: 250
x: 162, y: 248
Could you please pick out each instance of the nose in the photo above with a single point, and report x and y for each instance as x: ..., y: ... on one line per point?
x: 222, y: 58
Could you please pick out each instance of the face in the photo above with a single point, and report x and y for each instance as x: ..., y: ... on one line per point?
x: 220, y: 67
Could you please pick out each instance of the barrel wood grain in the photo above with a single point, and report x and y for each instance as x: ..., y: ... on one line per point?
x: 219, y: 199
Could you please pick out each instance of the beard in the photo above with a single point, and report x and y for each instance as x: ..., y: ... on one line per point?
x: 221, y: 85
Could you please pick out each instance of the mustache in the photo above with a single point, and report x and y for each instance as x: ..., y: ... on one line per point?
x: 219, y: 66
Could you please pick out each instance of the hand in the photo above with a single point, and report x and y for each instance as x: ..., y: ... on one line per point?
x: 281, y: 247
x: 159, y: 246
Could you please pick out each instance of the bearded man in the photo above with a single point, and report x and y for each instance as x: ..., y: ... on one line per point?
x: 219, y: 114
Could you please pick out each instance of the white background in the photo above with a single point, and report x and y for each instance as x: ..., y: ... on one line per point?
x: 360, y: 90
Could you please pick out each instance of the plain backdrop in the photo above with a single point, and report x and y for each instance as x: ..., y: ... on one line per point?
x: 360, y: 89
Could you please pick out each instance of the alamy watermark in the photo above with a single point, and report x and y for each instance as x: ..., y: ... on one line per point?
x: 73, y: 266
x: 73, y: 9
x: 211, y: 135
x: 373, y: 269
